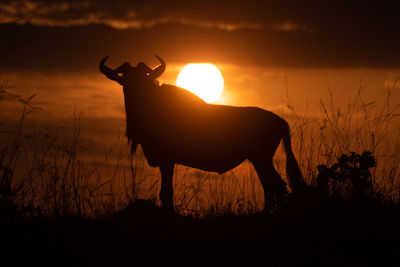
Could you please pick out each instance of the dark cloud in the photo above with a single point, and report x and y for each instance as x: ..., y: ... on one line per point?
x: 306, y: 16
x: 117, y: 14
x: 75, y: 34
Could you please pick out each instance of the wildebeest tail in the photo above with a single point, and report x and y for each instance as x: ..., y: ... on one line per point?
x: 295, y: 177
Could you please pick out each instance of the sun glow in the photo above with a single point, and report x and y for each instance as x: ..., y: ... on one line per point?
x: 202, y: 79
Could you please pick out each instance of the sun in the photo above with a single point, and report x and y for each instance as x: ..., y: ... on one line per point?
x: 202, y: 79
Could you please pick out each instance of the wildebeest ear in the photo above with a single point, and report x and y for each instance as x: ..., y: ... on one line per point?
x: 143, y: 68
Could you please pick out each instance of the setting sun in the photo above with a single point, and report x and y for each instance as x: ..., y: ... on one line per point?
x: 202, y: 79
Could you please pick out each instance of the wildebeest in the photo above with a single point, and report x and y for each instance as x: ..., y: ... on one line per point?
x: 174, y: 126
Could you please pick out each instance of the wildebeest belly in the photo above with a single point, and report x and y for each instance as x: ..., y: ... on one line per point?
x: 218, y: 139
x: 208, y: 158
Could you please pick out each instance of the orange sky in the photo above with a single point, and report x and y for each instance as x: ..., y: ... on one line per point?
x: 265, y: 49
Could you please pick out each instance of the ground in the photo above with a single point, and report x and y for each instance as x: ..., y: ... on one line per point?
x: 333, y: 233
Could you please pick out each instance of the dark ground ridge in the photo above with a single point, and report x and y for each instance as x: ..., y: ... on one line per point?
x: 333, y: 233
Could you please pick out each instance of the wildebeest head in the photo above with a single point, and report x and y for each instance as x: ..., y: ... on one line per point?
x: 128, y: 75
x: 137, y: 82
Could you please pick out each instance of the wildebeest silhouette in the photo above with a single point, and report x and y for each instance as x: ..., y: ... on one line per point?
x: 174, y: 126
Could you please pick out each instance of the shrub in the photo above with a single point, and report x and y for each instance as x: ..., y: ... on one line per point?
x: 352, y: 174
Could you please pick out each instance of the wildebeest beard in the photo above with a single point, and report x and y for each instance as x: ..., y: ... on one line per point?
x: 132, y: 114
x: 130, y: 127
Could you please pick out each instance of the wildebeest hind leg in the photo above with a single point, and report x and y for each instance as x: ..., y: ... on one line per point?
x: 167, y: 191
x: 274, y: 187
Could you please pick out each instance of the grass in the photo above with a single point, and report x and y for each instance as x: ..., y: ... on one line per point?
x: 57, y: 172
x: 81, y: 203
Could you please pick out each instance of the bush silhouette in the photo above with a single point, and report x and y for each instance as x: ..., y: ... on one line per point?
x: 352, y: 172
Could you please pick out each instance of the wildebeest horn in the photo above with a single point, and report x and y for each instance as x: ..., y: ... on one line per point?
x: 111, y: 74
x: 157, y: 71
x: 103, y: 68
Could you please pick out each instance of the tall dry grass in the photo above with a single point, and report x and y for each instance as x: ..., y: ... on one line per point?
x: 58, y: 171
x: 361, y: 125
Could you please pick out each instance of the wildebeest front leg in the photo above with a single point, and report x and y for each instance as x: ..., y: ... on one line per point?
x: 167, y: 190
